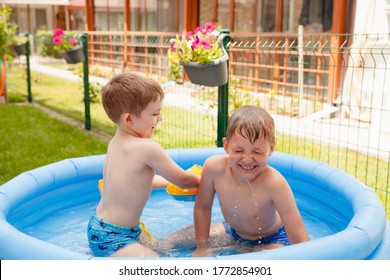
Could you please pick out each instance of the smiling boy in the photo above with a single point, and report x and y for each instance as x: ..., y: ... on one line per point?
x: 256, y: 201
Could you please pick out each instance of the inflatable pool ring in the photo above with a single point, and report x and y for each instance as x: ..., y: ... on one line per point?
x: 345, y: 219
x: 185, y: 194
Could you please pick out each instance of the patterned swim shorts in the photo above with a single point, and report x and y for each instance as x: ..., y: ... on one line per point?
x: 105, y: 238
x: 279, y: 237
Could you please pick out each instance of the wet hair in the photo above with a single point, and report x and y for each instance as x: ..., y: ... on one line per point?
x: 251, y: 122
x: 129, y: 93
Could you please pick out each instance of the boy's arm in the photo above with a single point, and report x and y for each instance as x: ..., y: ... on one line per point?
x: 158, y: 159
x: 202, y: 210
x: 159, y: 182
x: 286, y: 206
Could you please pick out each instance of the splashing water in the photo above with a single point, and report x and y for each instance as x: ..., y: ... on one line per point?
x: 255, y: 204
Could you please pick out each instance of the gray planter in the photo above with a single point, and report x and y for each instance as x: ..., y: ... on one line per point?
x: 212, y: 74
x: 20, y: 49
x: 74, y: 55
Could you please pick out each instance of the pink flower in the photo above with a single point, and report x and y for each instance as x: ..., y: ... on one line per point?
x: 188, y: 35
x: 205, y: 44
x: 58, y: 32
x: 201, y: 45
x: 63, y: 41
x: 209, y: 27
x: 195, y: 43
x: 173, y: 47
x: 57, y: 40
x: 73, y: 41
x: 198, y: 29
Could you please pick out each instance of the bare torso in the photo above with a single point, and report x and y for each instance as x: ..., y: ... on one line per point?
x: 129, y: 169
x: 126, y: 186
x: 246, y: 205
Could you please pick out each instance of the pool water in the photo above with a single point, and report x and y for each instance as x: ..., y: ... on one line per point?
x: 64, y: 221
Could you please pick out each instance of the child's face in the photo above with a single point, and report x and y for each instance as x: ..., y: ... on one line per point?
x: 247, y: 160
x: 146, y: 122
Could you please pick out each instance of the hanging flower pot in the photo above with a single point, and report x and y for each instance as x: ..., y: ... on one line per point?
x: 69, y: 47
x: 202, y: 54
x: 74, y: 55
x: 212, y: 74
x: 19, y: 49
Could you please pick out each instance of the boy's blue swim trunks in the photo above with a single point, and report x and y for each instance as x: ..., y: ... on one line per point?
x: 105, y: 238
x: 279, y: 237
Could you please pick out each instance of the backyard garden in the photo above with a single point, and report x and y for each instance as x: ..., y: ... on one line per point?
x: 34, y: 138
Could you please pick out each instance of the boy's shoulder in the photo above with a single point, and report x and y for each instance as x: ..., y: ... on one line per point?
x: 144, y: 145
x: 273, y: 178
x: 216, y: 158
x: 215, y: 162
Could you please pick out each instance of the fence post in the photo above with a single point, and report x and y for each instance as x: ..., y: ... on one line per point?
x: 84, y: 42
x: 223, y: 98
x: 28, y: 52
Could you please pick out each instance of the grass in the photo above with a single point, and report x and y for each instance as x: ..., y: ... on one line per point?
x: 31, y: 138
x: 63, y: 96
x: 184, y: 128
x: 66, y: 97
x: 372, y: 171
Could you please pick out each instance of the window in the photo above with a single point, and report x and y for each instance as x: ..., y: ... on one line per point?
x: 268, y: 15
x: 245, y: 16
x: 109, y: 14
x: 143, y: 15
x: 206, y: 12
x: 167, y: 20
x: 314, y: 15
x: 224, y: 13
x: 77, y: 20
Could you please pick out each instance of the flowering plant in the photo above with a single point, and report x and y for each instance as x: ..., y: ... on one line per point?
x: 200, y: 45
x: 61, y: 42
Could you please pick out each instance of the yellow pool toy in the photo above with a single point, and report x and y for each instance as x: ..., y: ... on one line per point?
x: 100, y: 186
x: 185, y: 194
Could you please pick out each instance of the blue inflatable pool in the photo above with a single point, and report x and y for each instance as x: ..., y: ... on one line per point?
x: 44, y: 212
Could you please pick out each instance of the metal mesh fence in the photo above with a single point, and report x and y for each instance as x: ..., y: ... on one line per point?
x: 329, y: 94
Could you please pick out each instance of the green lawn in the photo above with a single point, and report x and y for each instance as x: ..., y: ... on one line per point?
x: 30, y: 138
x: 66, y: 97
x: 61, y: 95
